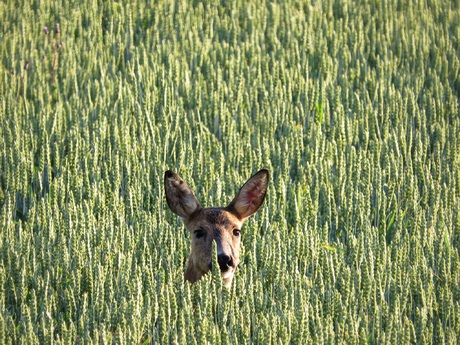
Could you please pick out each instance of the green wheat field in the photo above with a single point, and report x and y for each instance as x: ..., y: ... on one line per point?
x: 353, y: 106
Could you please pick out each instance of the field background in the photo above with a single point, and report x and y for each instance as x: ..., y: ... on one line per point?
x: 353, y: 106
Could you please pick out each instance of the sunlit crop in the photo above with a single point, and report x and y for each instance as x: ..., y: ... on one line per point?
x: 353, y: 106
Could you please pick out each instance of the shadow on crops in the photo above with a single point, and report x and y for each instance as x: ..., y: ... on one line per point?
x: 24, y: 201
x: 23, y: 205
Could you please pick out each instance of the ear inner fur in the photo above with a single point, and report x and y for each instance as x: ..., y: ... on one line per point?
x: 251, y: 195
x: 179, y: 196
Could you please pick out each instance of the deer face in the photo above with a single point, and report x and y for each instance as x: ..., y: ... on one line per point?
x: 219, y: 224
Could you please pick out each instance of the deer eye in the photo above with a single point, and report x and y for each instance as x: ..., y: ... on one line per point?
x: 236, y: 232
x: 199, y: 233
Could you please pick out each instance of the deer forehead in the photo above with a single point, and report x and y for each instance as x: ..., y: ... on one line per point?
x: 214, y: 220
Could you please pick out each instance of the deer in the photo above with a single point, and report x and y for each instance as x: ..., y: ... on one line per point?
x: 220, y: 224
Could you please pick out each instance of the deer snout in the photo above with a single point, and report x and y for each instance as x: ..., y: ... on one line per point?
x: 225, y: 262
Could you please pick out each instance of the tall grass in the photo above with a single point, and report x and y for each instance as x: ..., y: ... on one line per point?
x: 352, y: 106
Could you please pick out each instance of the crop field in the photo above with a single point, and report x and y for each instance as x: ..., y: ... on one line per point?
x: 353, y: 107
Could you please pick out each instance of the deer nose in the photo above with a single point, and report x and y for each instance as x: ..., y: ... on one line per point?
x: 225, y: 262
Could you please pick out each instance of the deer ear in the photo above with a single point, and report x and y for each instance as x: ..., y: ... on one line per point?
x: 251, y: 195
x: 179, y: 195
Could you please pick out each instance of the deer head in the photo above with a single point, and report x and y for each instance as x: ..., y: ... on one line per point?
x: 220, y: 224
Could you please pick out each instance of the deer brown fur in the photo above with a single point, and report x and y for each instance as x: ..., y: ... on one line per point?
x: 219, y: 224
